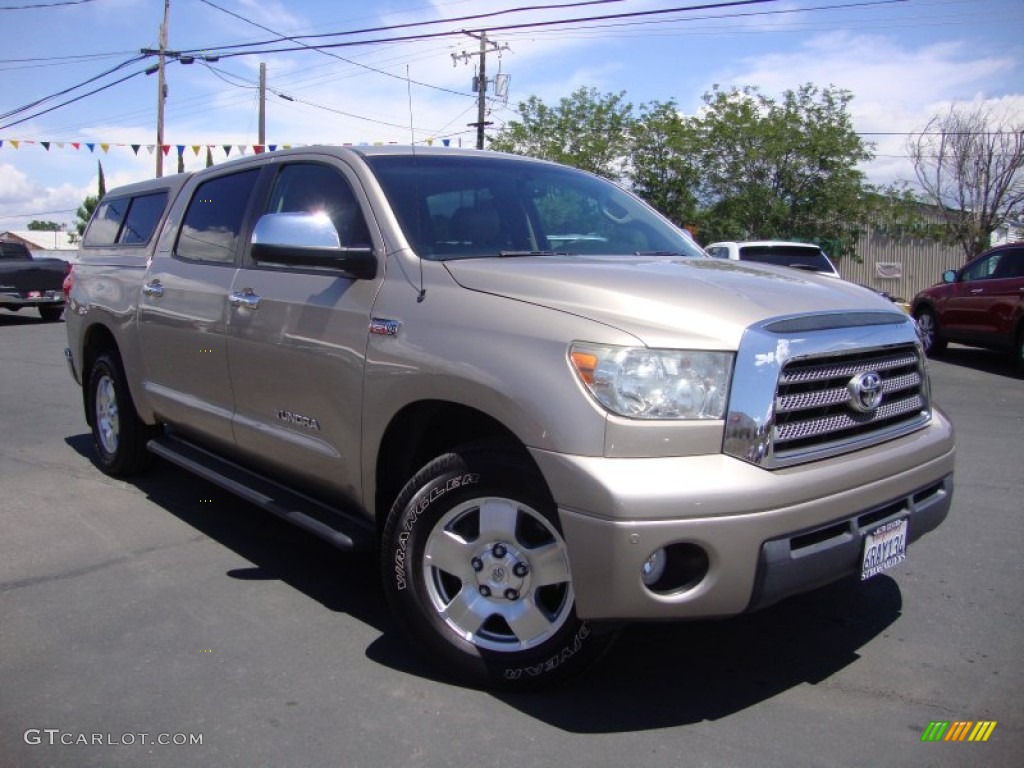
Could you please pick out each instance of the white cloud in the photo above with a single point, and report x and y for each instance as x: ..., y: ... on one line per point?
x: 896, y: 88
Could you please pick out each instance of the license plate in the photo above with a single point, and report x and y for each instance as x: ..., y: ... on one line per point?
x: 884, y: 547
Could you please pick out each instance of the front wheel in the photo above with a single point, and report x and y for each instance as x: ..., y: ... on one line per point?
x: 476, y: 570
x: 928, y: 329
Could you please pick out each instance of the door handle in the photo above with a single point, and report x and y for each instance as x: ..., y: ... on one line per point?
x: 153, y: 288
x: 977, y: 290
x: 246, y: 298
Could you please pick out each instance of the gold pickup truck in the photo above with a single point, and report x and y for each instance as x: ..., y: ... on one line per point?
x: 541, y: 404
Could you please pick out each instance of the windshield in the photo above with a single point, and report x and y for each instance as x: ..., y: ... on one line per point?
x: 801, y: 257
x: 457, y: 207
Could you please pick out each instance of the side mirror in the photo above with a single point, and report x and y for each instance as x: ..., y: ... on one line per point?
x: 309, y: 240
x: 949, y: 276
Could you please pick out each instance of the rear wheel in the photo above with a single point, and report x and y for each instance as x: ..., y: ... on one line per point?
x: 51, y: 314
x: 119, y: 435
x: 477, y: 571
x: 928, y: 328
x: 1018, y: 350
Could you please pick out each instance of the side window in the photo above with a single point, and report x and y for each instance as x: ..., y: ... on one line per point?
x: 213, y: 221
x: 142, y: 218
x: 106, y: 222
x: 984, y: 269
x: 1011, y: 265
x: 314, y: 188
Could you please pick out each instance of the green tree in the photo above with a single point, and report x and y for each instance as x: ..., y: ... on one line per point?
x: 780, y: 168
x: 586, y: 130
x: 662, y: 168
x: 44, y: 226
x: 84, y: 213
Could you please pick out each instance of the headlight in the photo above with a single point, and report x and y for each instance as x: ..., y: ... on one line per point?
x: 655, y: 383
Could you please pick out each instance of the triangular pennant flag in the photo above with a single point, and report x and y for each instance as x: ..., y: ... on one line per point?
x: 257, y: 149
x: 272, y: 147
x: 60, y: 145
x: 92, y: 147
x: 14, y: 143
x: 181, y: 150
x: 46, y: 145
x: 28, y: 141
x: 150, y: 148
x: 166, y: 149
x: 1, y: 142
x: 195, y: 149
x: 241, y: 149
x: 446, y: 142
x: 227, y: 150
x: 76, y: 145
x: 286, y: 146
x: 135, y: 149
x: 105, y: 148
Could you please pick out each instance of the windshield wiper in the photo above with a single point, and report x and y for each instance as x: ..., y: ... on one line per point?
x: 657, y: 253
x: 510, y: 254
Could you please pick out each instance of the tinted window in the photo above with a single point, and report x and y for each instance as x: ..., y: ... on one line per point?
x: 787, y: 256
x: 106, y: 222
x: 142, y: 218
x: 996, y: 266
x: 470, y: 206
x: 314, y: 188
x: 213, y: 221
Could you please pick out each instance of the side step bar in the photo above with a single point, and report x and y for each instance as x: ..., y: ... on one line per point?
x: 344, y: 531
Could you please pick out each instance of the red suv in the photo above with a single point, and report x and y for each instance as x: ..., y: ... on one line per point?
x: 982, y: 304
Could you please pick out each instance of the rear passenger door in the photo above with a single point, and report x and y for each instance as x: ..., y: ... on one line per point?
x: 297, y: 340
x: 183, y: 309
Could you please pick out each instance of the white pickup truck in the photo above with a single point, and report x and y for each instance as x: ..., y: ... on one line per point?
x: 545, y: 408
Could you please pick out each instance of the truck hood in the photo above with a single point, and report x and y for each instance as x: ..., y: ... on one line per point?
x: 664, y: 301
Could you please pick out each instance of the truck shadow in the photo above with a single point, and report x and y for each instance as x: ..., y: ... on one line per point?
x: 655, y: 675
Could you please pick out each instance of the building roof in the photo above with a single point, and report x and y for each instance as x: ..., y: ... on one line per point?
x: 40, y: 241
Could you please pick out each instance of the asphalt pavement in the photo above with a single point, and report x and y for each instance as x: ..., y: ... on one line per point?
x: 162, y: 622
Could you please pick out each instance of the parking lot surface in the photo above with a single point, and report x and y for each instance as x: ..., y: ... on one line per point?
x: 162, y: 622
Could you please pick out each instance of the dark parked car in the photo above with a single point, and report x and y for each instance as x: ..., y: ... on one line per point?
x: 29, y: 282
x: 982, y: 304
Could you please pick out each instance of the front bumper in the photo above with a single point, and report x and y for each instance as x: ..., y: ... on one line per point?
x: 766, y: 534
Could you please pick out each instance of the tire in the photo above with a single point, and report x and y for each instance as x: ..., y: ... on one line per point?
x: 117, y: 432
x: 1018, y: 351
x: 928, y: 330
x: 476, y: 570
x: 51, y: 314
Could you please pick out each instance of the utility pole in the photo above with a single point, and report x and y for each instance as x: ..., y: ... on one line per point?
x: 161, y: 93
x: 486, y: 46
x: 263, y: 105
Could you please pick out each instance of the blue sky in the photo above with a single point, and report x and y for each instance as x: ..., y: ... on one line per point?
x: 904, y: 60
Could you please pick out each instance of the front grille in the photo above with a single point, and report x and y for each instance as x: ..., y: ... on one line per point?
x: 814, y: 407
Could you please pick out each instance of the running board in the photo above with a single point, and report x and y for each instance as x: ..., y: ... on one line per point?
x: 344, y: 531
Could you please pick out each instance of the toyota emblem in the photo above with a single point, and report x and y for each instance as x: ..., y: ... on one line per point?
x: 865, y: 391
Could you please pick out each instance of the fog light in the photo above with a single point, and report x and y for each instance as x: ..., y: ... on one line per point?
x: 654, y: 568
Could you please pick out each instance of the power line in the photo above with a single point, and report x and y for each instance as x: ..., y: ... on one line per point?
x: 43, y: 5
x: 342, y: 58
x: 414, y: 24
x: 498, y: 28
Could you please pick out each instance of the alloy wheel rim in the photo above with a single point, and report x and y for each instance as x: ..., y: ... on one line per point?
x: 497, y: 573
x: 107, y: 418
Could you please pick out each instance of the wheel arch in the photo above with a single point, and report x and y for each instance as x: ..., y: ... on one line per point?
x: 421, y: 431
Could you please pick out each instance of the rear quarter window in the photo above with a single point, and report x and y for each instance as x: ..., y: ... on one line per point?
x: 126, y: 220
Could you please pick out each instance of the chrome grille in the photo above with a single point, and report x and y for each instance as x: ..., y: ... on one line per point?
x: 813, y: 403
